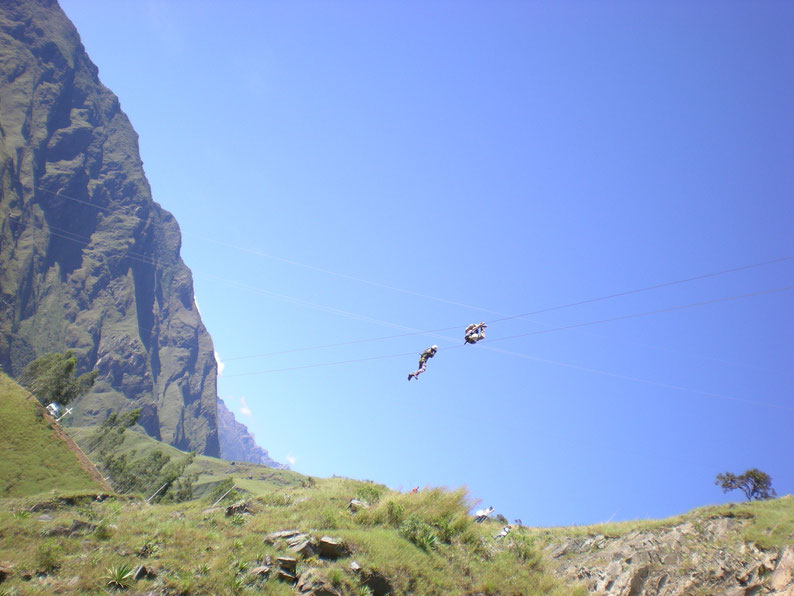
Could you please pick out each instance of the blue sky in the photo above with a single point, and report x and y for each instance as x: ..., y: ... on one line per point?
x: 346, y: 171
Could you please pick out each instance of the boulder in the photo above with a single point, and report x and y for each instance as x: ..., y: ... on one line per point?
x: 261, y: 571
x: 312, y: 583
x: 357, y: 505
x: 377, y: 583
x: 784, y: 571
x: 82, y: 527
x: 305, y: 546
x: 143, y: 572
x: 286, y: 576
x: 288, y: 563
x: 274, y: 537
x: 332, y: 548
x: 239, y: 507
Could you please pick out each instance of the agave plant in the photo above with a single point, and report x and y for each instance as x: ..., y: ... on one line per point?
x: 237, y: 519
x: 426, y: 540
x: 118, y: 576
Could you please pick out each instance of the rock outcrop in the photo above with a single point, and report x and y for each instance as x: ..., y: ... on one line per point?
x: 700, y: 557
x: 237, y: 442
x: 88, y: 261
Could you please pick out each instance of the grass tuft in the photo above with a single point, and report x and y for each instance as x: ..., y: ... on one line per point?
x: 118, y: 576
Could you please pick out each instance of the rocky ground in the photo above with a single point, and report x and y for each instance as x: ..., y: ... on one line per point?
x: 693, y: 557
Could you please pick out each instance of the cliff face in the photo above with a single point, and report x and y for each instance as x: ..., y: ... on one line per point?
x: 238, y: 444
x: 740, y: 550
x: 88, y: 260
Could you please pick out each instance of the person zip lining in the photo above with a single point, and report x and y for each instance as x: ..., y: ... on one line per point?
x: 426, y: 355
x: 474, y: 333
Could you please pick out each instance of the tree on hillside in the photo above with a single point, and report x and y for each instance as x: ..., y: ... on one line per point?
x: 111, y: 434
x: 51, y: 378
x: 754, y: 483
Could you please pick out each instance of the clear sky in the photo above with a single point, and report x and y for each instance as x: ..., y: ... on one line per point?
x: 346, y: 171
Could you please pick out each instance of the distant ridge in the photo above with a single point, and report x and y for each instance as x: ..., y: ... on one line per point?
x: 237, y: 442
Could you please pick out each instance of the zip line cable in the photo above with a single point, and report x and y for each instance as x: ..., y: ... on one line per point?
x: 641, y: 380
x: 545, y: 361
x: 636, y: 315
x: 433, y: 333
x: 540, y: 332
x: 648, y: 288
x: 351, y: 277
x: 154, y: 262
x: 231, y: 283
x: 650, y: 312
x: 150, y: 261
x: 275, y: 257
x: 444, y: 300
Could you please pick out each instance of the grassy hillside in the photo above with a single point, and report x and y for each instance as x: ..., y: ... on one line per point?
x: 34, y: 459
x: 423, y: 543
x: 252, y: 478
x: 78, y: 542
x: 770, y: 524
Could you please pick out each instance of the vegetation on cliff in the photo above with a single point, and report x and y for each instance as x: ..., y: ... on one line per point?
x: 88, y: 261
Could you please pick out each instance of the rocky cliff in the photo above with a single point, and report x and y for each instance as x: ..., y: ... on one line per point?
x: 736, y: 550
x: 88, y: 260
x: 238, y: 444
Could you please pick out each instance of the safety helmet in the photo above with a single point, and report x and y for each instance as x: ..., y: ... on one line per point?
x: 434, y: 348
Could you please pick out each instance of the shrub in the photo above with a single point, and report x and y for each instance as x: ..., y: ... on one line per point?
x: 523, y: 546
x: 416, y: 530
x: 103, y: 530
x: 224, y: 487
x: 51, y: 378
x: 395, y: 512
x: 149, y: 548
x: 369, y: 493
x: 335, y: 576
x: 49, y: 555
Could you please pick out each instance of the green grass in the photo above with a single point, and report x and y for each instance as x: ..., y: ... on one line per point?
x: 770, y: 524
x: 198, y: 550
x: 251, y: 478
x: 33, y: 460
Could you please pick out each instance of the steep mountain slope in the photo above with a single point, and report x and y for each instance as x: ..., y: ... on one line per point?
x: 237, y: 443
x: 88, y: 260
x: 37, y: 456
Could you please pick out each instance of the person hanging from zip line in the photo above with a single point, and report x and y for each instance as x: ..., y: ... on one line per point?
x: 474, y: 333
x: 426, y: 355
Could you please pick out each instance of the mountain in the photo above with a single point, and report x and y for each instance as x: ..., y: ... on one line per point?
x: 238, y: 444
x: 88, y: 261
x: 37, y: 455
